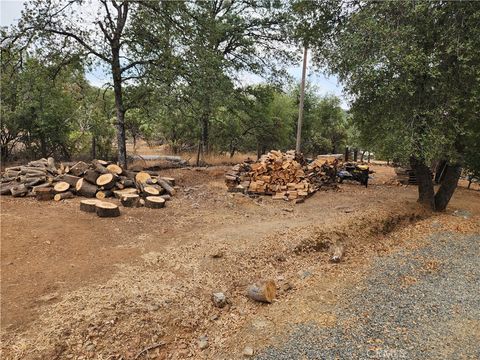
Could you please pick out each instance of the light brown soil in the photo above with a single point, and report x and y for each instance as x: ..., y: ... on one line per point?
x: 77, y: 285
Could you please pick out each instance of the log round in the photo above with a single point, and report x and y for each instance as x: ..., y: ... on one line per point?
x: 61, y: 186
x: 150, y: 191
x: 106, y: 209
x: 63, y: 196
x: 70, y: 179
x: 114, y: 169
x: 142, y: 177
x: 154, y: 202
x: 130, y: 200
x: 103, y: 194
x: 86, y: 189
x: 119, y: 193
x: 88, y: 205
x: 263, y: 291
x: 44, y: 194
x: 107, y: 180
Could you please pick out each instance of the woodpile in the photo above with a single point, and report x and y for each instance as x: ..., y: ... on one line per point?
x: 285, y: 176
x: 98, y: 179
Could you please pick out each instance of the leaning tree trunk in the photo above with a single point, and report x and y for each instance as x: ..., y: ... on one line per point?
x: 117, y: 87
x: 449, y: 183
x: 426, y: 191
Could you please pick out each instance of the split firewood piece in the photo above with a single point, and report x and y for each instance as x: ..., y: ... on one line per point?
x: 72, y: 180
x: 142, y: 177
x: 169, y: 180
x: 102, y: 194
x: 107, y: 181
x: 170, y: 190
x: 106, y: 209
x: 86, y: 189
x: 63, y: 196
x: 91, y: 176
x: 338, y: 252
x: 44, y: 194
x: 119, y: 193
x: 99, y: 166
x: 61, y: 186
x: 154, y: 202
x: 88, y: 205
x: 263, y: 291
x: 114, y: 169
x: 19, y: 190
x: 130, y: 200
x: 79, y: 168
x: 150, y: 191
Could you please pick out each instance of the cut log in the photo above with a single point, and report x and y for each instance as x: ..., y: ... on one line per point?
x: 5, y: 188
x: 128, y: 183
x: 338, y: 252
x: 51, y: 165
x: 72, y: 180
x: 114, y: 169
x: 102, y: 194
x: 169, y: 180
x: 79, y: 168
x: 106, y: 209
x: 88, y: 205
x: 170, y: 190
x: 152, y: 181
x: 34, y: 181
x: 43, y: 194
x: 142, y: 177
x: 130, y: 200
x: 166, y: 197
x: 99, y: 166
x: 119, y: 193
x: 150, y: 191
x: 154, y: 202
x: 107, y: 181
x: 61, y: 186
x: 63, y: 196
x: 91, y: 176
x: 42, y: 186
x: 86, y: 189
x: 103, y: 162
x: 263, y: 291
x: 19, y: 190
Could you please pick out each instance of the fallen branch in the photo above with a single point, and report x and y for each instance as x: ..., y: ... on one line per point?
x: 148, y: 348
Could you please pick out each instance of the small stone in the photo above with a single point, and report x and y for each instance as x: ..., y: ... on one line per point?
x: 48, y: 297
x: 462, y: 213
x: 304, y: 274
x: 288, y: 209
x: 248, y: 351
x: 214, y: 317
x: 203, y: 342
x: 287, y: 287
x: 219, y: 299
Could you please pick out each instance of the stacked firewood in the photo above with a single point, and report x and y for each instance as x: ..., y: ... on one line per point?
x: 98, y: 179
x: 285, y: 176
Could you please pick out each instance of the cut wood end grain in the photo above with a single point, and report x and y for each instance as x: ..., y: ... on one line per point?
x: 263, y: 291
x: 61, y: 186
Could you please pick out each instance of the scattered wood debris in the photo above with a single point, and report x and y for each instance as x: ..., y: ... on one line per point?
x: 100, y: 179
x: 285, y: 176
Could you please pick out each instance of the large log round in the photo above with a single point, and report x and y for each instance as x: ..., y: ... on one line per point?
x: 142, y: 177
x: 150, y: 191
x: 107, y: 181
x: 130, y: 200
x: 154, y: 202
x: 88, y: 205
x: 114, y: 169
x: 61, y: 186
x: 86, y: 189
x: 106, y: 209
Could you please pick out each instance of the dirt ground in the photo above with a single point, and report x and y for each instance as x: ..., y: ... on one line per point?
x: 75, y: 286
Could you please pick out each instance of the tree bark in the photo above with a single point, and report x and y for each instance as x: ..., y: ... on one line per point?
x: 426, y: 192
x: 449, y: 183
x: 117, y: 88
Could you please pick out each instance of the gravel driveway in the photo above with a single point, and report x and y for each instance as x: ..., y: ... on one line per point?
x: 422, y: 304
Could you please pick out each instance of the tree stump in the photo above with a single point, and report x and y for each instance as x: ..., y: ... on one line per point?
x: 63, y: 196
x: 263, y: 291
x: 130, y: 200
x: 88, y: 205
x: 107, y: 181
x: 61, y: 186
x: 154, y: 202
x: 106, y: 209
x: 44, y: 194
x: 86, y: 189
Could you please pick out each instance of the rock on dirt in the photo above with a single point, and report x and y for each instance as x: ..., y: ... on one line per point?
x: 219, y: 299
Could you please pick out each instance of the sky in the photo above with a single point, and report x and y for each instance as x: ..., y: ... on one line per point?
x: 10, y: 12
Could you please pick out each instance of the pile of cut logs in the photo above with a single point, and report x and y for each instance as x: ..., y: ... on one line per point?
x: 285, y: 176
x: 100, y: 179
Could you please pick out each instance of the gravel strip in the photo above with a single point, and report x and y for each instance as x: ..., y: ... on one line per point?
x: 422, y: 304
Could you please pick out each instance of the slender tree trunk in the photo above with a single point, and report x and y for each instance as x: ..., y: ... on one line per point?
x: 426, y: 192
x: 117, y: 87
x: 355, y: 155
x: 94, y: 147
x: 449, y: 183
x: 298, y: 145
x: 347, y: 152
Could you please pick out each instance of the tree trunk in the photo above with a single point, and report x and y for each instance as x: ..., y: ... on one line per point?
x: 451, y: 175
x: 94, y: 147
x: 347, y: 153
x: 355, y: 155
x: 117, y: 87
x: 426, y: 193
x: 205, y: 134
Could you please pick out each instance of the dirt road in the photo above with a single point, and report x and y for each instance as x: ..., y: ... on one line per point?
x: 75, y: 285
